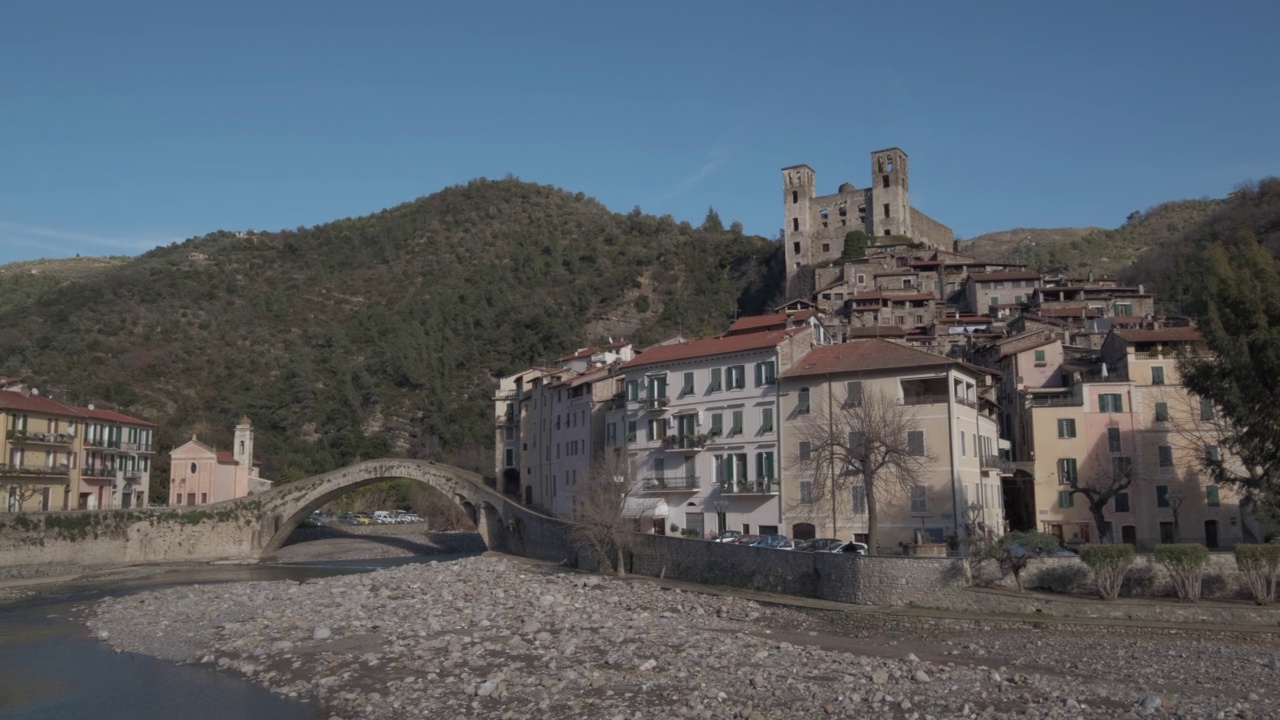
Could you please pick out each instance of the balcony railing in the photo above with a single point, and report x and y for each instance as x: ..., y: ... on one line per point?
x: 136, y: 447
x: 749, y: 487
x: 57, y: 471
x: 967, y: 402
x: 662, y: 483
x: 133, y: 477
x: 98, y: 472
x: 655, y: 403
x: 689, y: 444
x: 41, y: 437
x: 925, y: 399
x: 1056, y: 400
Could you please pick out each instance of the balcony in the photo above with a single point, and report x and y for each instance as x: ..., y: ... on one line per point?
x: 926, y: 399
x: 136, y: 447
x: 749, y: 487
x: 1056, y: 400
x: 967, y: 402
x: 133, y: 477
x: 40, y: 438
x: 685, y: 444
x: 11, y: 471
x: 655, y: 404
x: 98, y: 472
x: 506, y: 419
x: 662, y: 483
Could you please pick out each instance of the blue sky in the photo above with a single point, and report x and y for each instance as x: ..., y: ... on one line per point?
x: 130, y: 124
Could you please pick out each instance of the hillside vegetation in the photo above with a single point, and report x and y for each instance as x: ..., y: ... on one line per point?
x: 22, y: 282
x: 374, y: 335
x: 1079, y: 251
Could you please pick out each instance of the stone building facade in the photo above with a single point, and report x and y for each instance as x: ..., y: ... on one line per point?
x: 815, y: 226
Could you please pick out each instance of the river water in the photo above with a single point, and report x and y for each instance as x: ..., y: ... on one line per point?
x: 51, y: 669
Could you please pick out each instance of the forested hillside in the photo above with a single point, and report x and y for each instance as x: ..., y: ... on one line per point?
x: 375, y: 335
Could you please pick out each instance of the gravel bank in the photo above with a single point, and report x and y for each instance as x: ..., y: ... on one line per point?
x: 490, y: 637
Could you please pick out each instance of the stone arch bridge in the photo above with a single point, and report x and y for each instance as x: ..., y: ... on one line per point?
x: 251, y: 528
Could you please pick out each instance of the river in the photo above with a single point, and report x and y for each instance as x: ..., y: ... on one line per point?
x: 50, y: 667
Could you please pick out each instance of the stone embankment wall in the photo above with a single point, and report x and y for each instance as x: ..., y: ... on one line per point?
x: 34, y: 544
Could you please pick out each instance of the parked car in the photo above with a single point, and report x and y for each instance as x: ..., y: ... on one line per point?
x: 348, y: 519
x: 745, y: 539
x: 404, y: 516
x: 824, y: 545
x: 780, y: 542
x: 382, y: 517
x: 852, y: 548
x: 728, y: 536
x: 314, y: 520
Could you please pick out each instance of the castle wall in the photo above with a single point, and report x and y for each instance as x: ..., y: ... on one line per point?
x: 926, y: 229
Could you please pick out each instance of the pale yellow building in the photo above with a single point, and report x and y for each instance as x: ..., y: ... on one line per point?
x: 39, y: 452
x: 949, y: 409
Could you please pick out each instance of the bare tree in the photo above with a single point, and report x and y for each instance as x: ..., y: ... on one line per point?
x: 863, y: 442
x: 17, y: 495
x: 609, y: 511
x: 1107, y: 477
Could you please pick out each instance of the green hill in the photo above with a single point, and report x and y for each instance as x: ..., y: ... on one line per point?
x: 374, y: 335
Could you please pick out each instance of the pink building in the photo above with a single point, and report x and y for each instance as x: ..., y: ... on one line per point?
x: 199, y: 474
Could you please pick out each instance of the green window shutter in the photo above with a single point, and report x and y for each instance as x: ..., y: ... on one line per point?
x: 802, y: 401
x: 1157, y: 375
x: 717, y: 424
x: 1162, y: 412
x: 716, y: 385
x: 1211, y: 496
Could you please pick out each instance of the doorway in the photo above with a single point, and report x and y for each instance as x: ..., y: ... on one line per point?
x: 1211, y: 534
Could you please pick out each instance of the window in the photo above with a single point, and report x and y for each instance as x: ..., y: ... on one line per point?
x: 1167, y: 534
x: 736, y: 377
x: 1157, y: 375
x: 1211, y: 454
x: 859, y: 499
x: 611, y: 434
x: 995, y: 300
x: 857, y: 445
x: 795, y: 197
x: 802, y: 401
x: 884, y: 182
x: 1122, y: 466
x: 862, y: 279
x: 715, y: 385
x: 853, y: 394
x: 1066, y: 428
x: 1113, y: 440
x: 1039, y: 356
x: 886, y: 214
x: 631, y: 431
x: 511, y: 457
x: 633, y: 391
x: 765, y: 373
x: 764, y: 465
x: 805, y: 451
x: 1124, y: 310
x: 915, y: 443
x: 1211, y: 496
x: 658, y: 429
x: 1162, y: 496
x: 766, y: 420
x: 1067, y: 471
x: 1110, y: 402
x: 795, y: 225
x: 736, y: 427
x: 1166, y: 456
x: 919, y: 499
x: 826, y: 247
x: 1162, y: 412
x: 806, y: 491
x: 717, y: 424
x: 963, y: 451
x: 1206, y: 410
x: 1122, y: 502
x: 687, y: 387
x: 1066, y: 498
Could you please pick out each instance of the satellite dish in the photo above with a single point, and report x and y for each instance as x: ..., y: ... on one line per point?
x: 90, y: 406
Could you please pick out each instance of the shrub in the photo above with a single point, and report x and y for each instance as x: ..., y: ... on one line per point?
x: 1185, y: 563
x: 1109, y: 564
x: 1015, y: 550
x: 1260, y: 565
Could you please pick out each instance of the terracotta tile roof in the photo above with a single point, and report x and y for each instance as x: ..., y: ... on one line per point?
x: 112, y: 416
x: 225, y: 457
x: 1173, y: 334
x: 890, y: 296
x: 863, y: 355
x: 1005, y: 275
x: 756, y: 323
x: 585, y: 352
x: 710, y: 347
x: 35, y: 403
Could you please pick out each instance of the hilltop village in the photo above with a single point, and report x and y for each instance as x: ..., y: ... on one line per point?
x: 914, y: 394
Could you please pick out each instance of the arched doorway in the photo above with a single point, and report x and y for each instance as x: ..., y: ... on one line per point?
x: 804, y: 531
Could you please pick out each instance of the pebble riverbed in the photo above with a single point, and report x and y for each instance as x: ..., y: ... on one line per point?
x: 492, y: 637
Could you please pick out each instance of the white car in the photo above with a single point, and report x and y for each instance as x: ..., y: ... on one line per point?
x: 382, y: 517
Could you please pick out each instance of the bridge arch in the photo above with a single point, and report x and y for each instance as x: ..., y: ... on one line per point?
x: 282, y: 508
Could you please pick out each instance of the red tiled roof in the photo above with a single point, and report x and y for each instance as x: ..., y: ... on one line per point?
x: 756, y: 323
x: 891, y: 296
x: 112, y: 416
x: 1005, y: 275
x: 862, y: 355
x: 1173, y: 334
x: 580, y: 353
x: 225, y: 457
x: 35, y: 403
x: 709, y: 347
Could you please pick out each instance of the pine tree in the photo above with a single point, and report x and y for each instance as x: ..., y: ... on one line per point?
x: 712, y: 223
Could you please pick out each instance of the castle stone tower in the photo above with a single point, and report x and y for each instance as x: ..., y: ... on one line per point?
x: 242, y: 453
x: 890, y: 210
x: 797, y: 192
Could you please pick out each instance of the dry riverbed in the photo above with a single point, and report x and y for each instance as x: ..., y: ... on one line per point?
x: 493, y: 637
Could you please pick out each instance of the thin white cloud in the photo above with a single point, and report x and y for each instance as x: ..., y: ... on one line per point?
x: 56, y: 242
